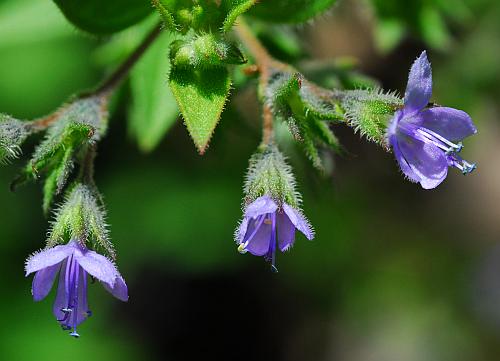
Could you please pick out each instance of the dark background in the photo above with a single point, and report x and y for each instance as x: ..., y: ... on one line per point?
x: 394, y: 273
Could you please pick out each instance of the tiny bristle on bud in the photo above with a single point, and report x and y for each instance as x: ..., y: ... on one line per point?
x: 269, y: 173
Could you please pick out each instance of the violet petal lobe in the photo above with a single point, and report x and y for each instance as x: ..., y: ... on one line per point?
x: 97, y: 266
x: 299, y: 221
x: 419, y: 87
x: 258, y: 245
x: 426, y: 160
x: 449, y: 123
x: 260, y: 206
x: 119, y: 290
x: 403, y: 163
x: 286, y: 231
x: 62, y: 296
x: 43, y: 281
x: 47, y: 257
x: 242, y: 230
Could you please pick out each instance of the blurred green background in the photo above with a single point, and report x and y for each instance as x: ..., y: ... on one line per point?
x: 395, y: 272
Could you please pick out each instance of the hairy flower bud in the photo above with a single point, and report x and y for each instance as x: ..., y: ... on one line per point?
x: 369, y: 111
x: 81, y: 217
x: 13, y: 132
x: 269, y: 174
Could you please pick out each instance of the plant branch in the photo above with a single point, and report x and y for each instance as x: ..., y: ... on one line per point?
x: 266, y: 65
x: 117, y: 77
x: 108, y: 86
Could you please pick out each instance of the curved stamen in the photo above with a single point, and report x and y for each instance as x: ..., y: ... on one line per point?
x: 464, y: 166
x: 440, y: 141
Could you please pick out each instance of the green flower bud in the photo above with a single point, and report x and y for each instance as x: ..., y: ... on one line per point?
x: 13, y: 132
x: 81, y: 217
x: 269, y: 174
x: 368, y: 111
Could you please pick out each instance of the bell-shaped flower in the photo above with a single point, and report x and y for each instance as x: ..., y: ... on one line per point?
x: 426, y: 140
x: 266, y: 227
x: 73, y: 262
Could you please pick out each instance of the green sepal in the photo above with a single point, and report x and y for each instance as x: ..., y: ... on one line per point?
x: 235, y: 8
x: 57, y: 178
x: 305, y: 107
x: 201, y: 16
x: 201, y: 95
x: 81, y: 217
x: 270, y: 174
x: 369, y: 111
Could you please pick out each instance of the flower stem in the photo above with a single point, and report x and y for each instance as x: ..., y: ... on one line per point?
x: 266, y: 65
x: 108, y: 85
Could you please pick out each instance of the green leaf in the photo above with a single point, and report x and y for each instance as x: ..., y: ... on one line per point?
x: 201, y: 95
x: 104, y: 17
x: 153, y: 110
x: 290, y: 11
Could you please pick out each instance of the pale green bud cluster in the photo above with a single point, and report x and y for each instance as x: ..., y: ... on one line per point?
x: 269, y: 174
x: 204, y: 51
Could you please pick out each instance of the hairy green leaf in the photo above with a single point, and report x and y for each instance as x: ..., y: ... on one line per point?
x: 201, y: 95
x: 290, y: 11
x: 104, y: 17
x: 153, y: 110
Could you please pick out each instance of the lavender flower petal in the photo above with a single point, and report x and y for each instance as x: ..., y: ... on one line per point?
x: 97, y: 266
x: 299, y: 221
x: 286, y: 231
x: 43, y: 281
x: 403, y: 163
x: 47, y: 257
x: 419, y: 88
x: 119, y: 290
x: 242, y: 230
x: 449, y: 123
x: 258, y: 245
x: 260, y: 206
x: 62, y: 296
x: 427, y: 161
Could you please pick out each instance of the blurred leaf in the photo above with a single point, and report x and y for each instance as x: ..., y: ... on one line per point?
x: 104, y: 17
x: 290, y: 11
x: 201, y: 95
x: 153, y: 110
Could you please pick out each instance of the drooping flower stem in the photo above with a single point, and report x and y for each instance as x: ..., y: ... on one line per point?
x: 106, y: 88
x: 266, y: 65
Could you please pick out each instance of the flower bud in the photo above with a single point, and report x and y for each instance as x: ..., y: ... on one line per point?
x: 369, y: 111
x: 81, y: 217
x: 13, y: 132
x: 269, y: 174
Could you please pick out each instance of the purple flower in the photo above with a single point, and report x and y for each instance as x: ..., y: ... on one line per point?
x: 73, y: 262
x: 265, y: 226
x: 424, y: 140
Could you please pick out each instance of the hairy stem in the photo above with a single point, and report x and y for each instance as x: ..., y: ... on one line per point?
x: 266, y: 65
x: 108, y: 85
